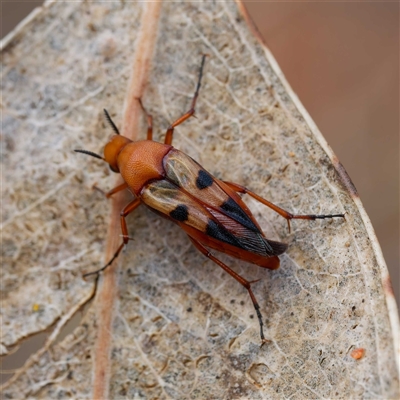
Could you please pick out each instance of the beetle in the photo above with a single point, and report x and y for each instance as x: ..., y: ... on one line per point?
x: 209, y: 210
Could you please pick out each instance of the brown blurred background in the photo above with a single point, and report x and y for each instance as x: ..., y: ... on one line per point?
x: 342, y: 59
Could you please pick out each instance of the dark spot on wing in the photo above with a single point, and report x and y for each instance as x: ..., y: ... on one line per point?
x: 180, y: 213
x: 204, y: 180
x: 233, y: 210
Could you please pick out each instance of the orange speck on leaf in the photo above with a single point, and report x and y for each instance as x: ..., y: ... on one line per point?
x: 358, y: 353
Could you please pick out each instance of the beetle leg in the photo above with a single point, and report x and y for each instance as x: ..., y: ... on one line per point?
x: 239, y: 278
x: 125, y: 237
x: 118, y: 188
x: 112, y: 191
x: 188, y: 114
x: 149, y: 121
x: 285, y: 214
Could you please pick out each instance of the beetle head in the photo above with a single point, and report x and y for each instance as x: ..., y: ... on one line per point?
x: 112, y: 150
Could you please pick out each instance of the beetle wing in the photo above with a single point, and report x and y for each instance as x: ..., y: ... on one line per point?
x: 216, y: 220
x: 191, y: 177
x: 271, y: 262
x: 224, y: 204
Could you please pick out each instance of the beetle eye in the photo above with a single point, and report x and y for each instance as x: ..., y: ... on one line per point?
x: 113, y: 169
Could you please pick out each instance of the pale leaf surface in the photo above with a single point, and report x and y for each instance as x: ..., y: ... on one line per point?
x: 182, y: 328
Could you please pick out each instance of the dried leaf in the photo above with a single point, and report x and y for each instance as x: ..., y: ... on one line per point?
x: 182, y: 327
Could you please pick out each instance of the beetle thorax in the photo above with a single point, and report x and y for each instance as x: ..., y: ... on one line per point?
x: 142, y: 161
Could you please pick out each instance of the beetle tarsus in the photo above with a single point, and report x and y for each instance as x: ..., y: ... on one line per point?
x: 263, y: 342
x: 328, y: 216
x: 116, y: 254
x: 260, y: 321
x: 95, y: 187
x: 149, y: 120
x: 126, y: 237
x: 285, y: 214
x: 255, y: 281
x: 288, y: 224
x: 191, y: 111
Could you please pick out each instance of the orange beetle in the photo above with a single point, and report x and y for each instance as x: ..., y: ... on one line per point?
x: 209, y: 210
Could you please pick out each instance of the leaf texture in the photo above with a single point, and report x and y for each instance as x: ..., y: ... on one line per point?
x: 182, y: 327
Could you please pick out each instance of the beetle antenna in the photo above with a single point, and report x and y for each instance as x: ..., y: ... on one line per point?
x: 90, y: 153
x: 111, y: 122
x: 203, y: 60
